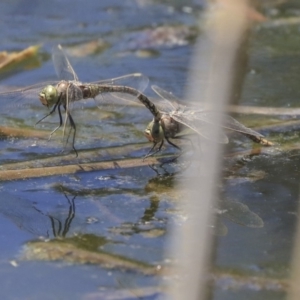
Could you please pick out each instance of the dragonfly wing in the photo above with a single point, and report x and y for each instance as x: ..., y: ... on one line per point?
x: 118, y: 100
x: 228, y: 122
x: 201, y: 128
x: 170, y: 102
x: 164, y: 105
x: 62, y: 65
x: 73, y: 94
x: 136, y: 80
x: 22, y: 97
x: 234, y: 125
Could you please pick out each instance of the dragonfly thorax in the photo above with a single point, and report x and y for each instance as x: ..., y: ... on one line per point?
x: 48, y: 95
x: 89, y: 91
x: 170, y: 127
x: 154, y: 132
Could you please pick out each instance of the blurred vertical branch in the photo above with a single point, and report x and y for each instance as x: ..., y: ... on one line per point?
x: 214, y: 59
x: 294, y: 291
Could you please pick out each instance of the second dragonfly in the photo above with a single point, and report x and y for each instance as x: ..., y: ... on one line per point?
x: 171, y: 120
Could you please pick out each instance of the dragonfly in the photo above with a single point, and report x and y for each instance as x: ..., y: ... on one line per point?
x: 64, y: 93
x: 173, y: 120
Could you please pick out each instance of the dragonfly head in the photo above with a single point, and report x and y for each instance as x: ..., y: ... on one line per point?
x: 154, y: 132
x: 48, y: 95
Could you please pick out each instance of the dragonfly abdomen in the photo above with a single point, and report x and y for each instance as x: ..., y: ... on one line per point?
x: 259, y: 140
x: 92, y: 91
x: 154, y: 111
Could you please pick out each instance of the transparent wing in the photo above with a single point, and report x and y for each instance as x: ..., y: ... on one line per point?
x: 118, y: 100
x: 201, y: 128
x: 22, y: 97
x: 168, y: 101
x: 62, y: 65
x: 73, y: 94
x: 16, y: 102
x: 228, y: 123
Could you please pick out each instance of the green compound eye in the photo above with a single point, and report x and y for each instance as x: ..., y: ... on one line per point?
x: 48, y: 96
x: 148, y: 133
x: 154, y: 132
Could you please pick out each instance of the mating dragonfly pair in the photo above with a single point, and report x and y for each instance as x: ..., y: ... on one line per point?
x: 170, y: 118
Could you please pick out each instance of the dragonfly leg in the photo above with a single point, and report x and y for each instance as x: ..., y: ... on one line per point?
x: 73, y: 126
x: 60, y: 122
x: 52, y: 111
x: 177, y: 147
x: 187, y: 139
x: 154, y: 152
x: 182, y: 151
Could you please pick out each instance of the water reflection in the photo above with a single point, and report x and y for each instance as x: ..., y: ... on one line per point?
x: 227, y: 209
x: 57, y: 241
x: 42, y: 224
x: 147, y: 224
x: 60, y: 229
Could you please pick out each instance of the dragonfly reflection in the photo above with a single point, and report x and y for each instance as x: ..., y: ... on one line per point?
x: 27, y: 216
x: 60, y: 229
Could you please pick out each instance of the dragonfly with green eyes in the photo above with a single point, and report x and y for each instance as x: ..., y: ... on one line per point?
x: 173, y: 120
x: 64, y: 93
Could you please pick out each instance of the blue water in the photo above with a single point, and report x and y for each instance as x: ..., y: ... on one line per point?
x: 128, y: 212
